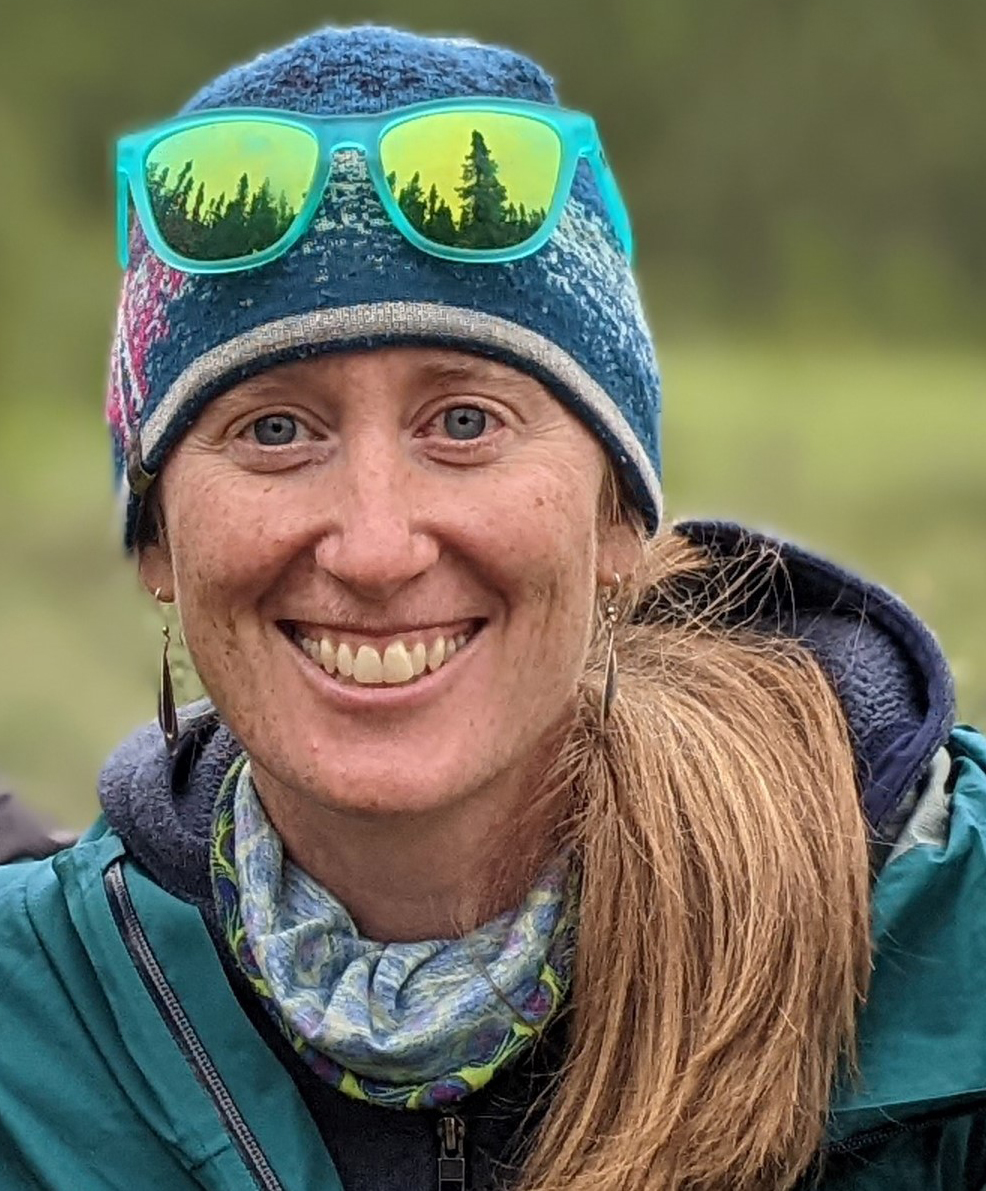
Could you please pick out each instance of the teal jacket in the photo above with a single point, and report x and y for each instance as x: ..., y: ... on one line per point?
x: 143, y: 1072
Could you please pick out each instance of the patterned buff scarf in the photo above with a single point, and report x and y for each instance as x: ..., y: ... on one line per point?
x: 406, y: 1025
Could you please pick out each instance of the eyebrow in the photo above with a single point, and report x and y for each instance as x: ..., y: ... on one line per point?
x: 429, y: 370
x: 469, y: 368
x: 261, y: 384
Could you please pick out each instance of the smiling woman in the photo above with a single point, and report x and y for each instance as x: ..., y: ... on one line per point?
x: 385, y: 563
x: 523, y: 840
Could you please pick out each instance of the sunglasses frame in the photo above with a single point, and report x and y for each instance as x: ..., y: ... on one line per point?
x: 576, y: 132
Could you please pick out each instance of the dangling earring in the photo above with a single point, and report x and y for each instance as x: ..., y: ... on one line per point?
x: 167, y: 713
x: 610, y: 672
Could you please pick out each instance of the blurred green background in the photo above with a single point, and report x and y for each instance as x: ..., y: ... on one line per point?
x: 807, y: 186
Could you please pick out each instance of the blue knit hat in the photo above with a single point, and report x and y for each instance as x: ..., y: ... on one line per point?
x: 568, y: 314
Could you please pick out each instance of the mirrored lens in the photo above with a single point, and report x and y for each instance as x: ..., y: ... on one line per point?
x: 473, y: 179
x: 230, y: 189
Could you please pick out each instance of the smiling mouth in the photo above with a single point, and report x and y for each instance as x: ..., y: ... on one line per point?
x: 401, y: 662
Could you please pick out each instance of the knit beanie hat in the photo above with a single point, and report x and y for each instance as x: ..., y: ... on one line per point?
x: 569, y: 314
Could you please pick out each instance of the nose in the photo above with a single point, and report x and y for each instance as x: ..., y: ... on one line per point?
x: 375, y: 542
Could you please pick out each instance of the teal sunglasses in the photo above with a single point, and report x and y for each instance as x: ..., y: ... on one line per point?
x: 469, y: 179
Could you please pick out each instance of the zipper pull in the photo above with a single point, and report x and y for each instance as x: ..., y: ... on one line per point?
x: 451, y: 1153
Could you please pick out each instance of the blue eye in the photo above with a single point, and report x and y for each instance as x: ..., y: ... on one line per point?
x: 275, y: 430
x: 465, y: 422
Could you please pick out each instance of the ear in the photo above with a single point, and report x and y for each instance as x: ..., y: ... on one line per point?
x: 620, y: 553
x: 156, y: 571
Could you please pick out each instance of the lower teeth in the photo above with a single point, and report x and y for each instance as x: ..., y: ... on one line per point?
x: 350, y: 681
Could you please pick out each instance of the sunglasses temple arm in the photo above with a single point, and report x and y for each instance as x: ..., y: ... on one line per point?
x: 122, y: 219
x: 614, y: 201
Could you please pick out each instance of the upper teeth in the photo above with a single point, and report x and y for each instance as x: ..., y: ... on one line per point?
x: 400, y: 662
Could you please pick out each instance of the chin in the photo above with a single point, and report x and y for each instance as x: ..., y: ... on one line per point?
x: 400, y: 782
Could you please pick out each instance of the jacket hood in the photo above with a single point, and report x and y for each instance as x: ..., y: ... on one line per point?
x: 885, y: 665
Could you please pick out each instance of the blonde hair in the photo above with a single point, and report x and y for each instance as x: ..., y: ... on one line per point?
x: 723, y: 948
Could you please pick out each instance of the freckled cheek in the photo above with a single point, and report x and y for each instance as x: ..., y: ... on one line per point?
x: 223, y: 562
x: 548, y: 559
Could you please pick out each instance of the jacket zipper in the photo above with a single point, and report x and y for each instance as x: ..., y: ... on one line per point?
x: 451, y: 1153
x: 181, y: 1029
x: 859, y: 1141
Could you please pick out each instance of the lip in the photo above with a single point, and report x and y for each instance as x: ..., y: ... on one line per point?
x: 353, y: 697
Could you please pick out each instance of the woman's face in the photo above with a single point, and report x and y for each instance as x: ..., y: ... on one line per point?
x: 386, y: 564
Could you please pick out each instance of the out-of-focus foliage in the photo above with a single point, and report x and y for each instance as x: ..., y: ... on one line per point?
x: 807, y: 184
x: 808, y: 165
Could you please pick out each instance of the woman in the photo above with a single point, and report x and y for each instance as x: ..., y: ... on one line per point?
x: 423, y: 897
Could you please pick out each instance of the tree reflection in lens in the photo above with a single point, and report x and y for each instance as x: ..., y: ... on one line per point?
x: 215, y: 228
x: 221, y: 229
x: 487, y: 218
